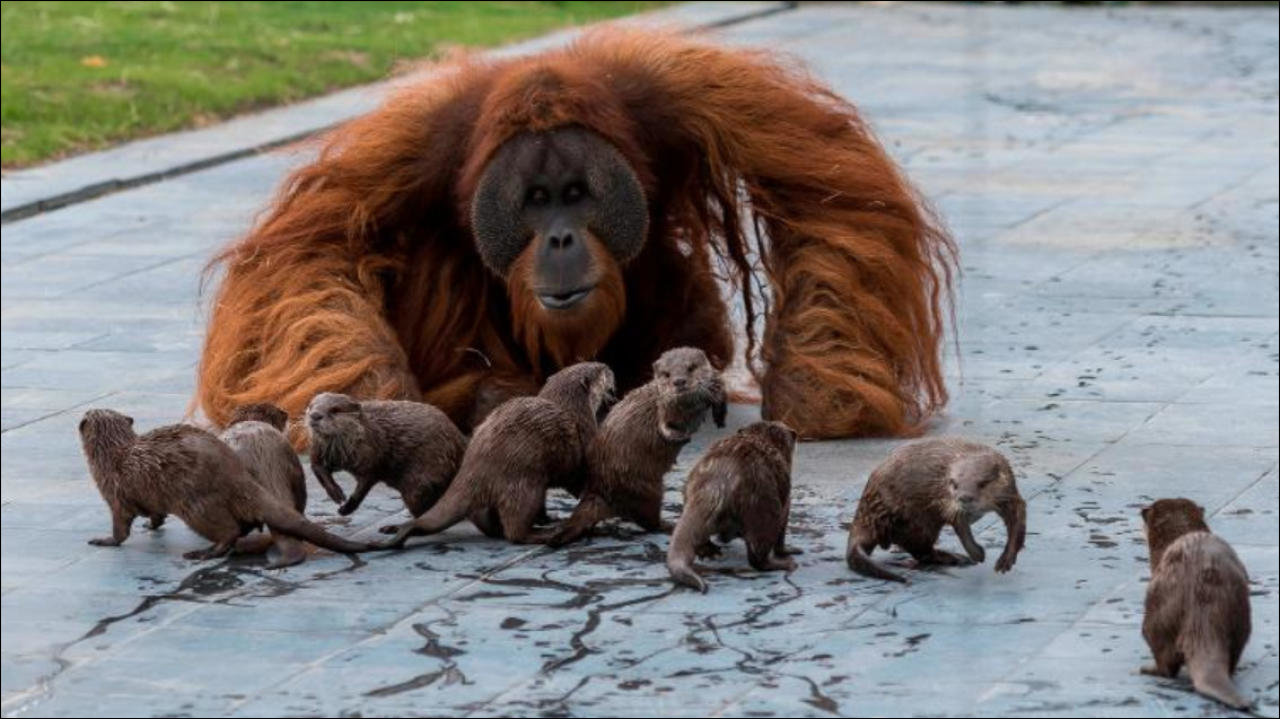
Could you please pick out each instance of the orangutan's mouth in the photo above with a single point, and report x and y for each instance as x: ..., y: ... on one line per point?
x: 564, y: 300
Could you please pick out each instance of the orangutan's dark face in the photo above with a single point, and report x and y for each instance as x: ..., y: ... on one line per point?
x: 564, y: 209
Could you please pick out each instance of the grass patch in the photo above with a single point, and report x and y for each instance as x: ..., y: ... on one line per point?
x: 75, y: 76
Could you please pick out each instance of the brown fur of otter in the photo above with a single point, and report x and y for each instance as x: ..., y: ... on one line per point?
x: 639, y: 440
x: 929, y: 484
x: 688, y: 372
x: 523, y: 447
x: 256, y: 434
x: 411, y: 447
x: 183, y: 470
x: 1197, y: 608
x: 740, y: 488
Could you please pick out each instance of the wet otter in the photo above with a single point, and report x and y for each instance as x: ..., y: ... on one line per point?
x: 412, y: 447
x: 740, y: 488
x: 926, y: 485
x: 183, y: 470
x: 639, y: 440
x: 1197, y: 608
x: 256, y: 433
x: 523, y: 447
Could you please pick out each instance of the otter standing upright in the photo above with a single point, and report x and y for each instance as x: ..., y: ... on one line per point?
x: 523, y: 447
x: 639, y: 441
x: 184, y: 470
x: 1197, y: 608
x: 926, y: 485
x: 740, y: 488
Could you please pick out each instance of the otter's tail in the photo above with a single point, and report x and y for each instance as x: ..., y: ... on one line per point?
x: 690, y: 533
x: 859, y: 562
x: 1208, y: 669
x: 591, y: 510
x: 286, y: 520
x: 451, y: 509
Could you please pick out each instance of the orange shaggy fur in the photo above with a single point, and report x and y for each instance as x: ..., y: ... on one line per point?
x: 363, y: 276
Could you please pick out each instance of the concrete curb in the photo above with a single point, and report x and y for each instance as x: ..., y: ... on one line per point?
x: 28, y: 192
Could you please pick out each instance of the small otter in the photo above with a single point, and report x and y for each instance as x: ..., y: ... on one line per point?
x: 1197, y: 609
x: 183, y: 470
x: 688, y: 368
x: 523, y: 447
x: 639, y: 441
x: 256, y: 434
x: 740, y: 488
x: 411, y: 446
x: 925, y: 485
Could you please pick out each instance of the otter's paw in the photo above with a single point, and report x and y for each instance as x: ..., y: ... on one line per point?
x: 1005, y: 562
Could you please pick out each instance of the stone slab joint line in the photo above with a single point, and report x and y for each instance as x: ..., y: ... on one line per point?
x: 382, y: 631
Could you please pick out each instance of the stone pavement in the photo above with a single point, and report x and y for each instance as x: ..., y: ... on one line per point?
x: 1111, y: 174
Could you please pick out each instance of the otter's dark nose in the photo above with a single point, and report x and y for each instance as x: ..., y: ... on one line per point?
x: 680, y: 382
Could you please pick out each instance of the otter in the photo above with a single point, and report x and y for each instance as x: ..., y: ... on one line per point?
x: 689, y: 369
x: 184, y: 470
x: 1197, y: 608
x: 256, y: 433
x: 523, y: 447
x: 740, y: 488
x: 925, y: 485
x: 411, y: 446
x: 639, y: 441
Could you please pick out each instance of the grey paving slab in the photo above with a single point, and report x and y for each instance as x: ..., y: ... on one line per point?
x: 1111, y: 175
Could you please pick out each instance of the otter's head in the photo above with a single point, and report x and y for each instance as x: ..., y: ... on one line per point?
x: 260, y: 412
x: 589, y: 381
x: 1164, y: 520
x: 103, y: 431
x: 778, y: 435
x: 332, y: 415
x: 978, y: 483
x: 683, y: 367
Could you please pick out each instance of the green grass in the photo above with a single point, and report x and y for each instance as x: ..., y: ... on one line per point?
x: 75, y: 76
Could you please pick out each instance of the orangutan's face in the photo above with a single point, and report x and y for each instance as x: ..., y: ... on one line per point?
x: 563, y: 209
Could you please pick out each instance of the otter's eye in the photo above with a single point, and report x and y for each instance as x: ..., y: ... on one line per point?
x: 664, y: 374
x: 692, y: 367
x: 537, y: 196
x: 574, y: 192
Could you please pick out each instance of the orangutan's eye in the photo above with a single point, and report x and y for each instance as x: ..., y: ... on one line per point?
x: 538, y: 196
x: 574, y: 192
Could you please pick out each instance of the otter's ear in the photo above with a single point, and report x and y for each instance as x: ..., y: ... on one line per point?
x: 1200, y: 512
x: 130, y: 420
x: 1146, y: 514
x: 83, y: 423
